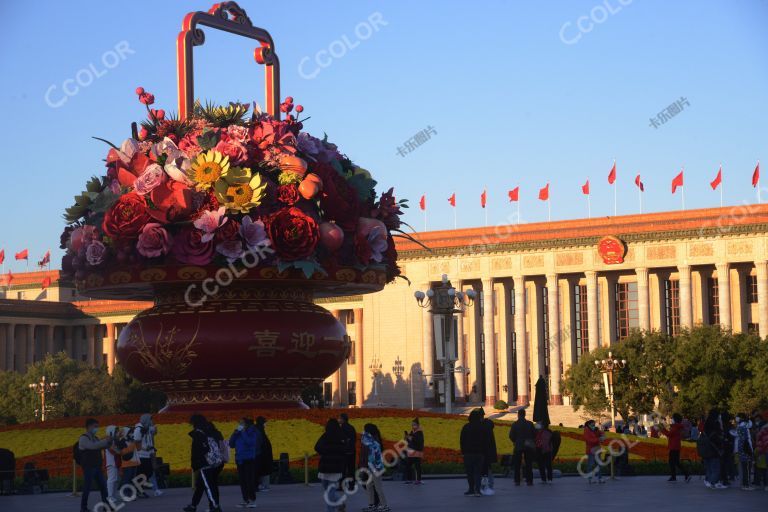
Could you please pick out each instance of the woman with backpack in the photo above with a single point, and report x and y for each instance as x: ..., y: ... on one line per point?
x: 372, y: 464
x: 331, y: 448
x: 207, y: 462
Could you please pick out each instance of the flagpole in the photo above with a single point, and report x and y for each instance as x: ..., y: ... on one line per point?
x: 721, y: 185
x: 549, y: 210
x: 589, y: 206
x: 518, y: 210
x: 615, y: 203
x: 640, y: 196
x: 759, y: 199
x: 425, y: 219
x: 486, y: 216
x: 455, y: 219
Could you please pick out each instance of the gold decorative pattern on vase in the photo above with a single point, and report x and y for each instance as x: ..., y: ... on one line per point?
x: 191, y: 273
x: 168, y: 357
x: 153, y: 274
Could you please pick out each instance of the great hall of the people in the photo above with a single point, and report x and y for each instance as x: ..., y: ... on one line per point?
x: 546, y: 293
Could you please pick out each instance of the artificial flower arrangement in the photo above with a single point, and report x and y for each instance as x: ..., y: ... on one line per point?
x: 203, y: 190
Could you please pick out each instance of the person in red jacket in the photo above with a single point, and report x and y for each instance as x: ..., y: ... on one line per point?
x: 674, y: 435
x: 592, y: 438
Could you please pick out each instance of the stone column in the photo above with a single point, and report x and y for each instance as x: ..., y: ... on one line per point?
x: 110, y: 348
x: 90, y: 342
x: 761, y: 268
x: 610, y: 336
x: 724, y: 295
x: 31, y: 344
x: 68, y: 342
x: 428, y: 349
x: 686, y: 297
x: 593, y: 319
x: 10, y: 347
x: 359, y: 366
x: 490, y: 346
x: 340, y: 377
x: 521, y: 344
x: 505, y: 345
x: 555, y: 359
x: 643, y: 299
x: 49, y: 332
x: 461, y: 378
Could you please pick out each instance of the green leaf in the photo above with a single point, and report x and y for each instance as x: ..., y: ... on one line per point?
x: 208, y: 139
x: 363, y: 184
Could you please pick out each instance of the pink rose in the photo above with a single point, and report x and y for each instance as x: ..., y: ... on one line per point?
x: 153, y: 241
x: 81, y: 237
x: 237, y: 133
x: 236, y: 152
x: 152, y: 176
x: 188, y: 247
x: 95, y: 253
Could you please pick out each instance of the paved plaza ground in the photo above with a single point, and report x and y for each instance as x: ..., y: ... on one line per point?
x: 568, y: 494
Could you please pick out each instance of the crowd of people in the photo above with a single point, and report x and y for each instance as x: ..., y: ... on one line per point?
x: 733, y: 449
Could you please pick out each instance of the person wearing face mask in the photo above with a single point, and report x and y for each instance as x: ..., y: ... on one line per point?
x: 592, y: 438
x: 674, y: 437
x: 90, y: 448
x: 744, y: 449
x: 112, y: 461
x: 246, y: 440
x: 144, y: 435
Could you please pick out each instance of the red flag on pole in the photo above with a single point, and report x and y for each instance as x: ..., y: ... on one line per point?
x: 452, y: 199
x: 718, y: 179
x: 22, y: 255
x: 639, y: 183
x: 423, y: 202
x: 612, y: 174
x: 677, y: 182
x: 514, y: 194
x: 756, y: 175
x: 544, y: 193
x: 46, y: 260
x: 483, y: 198
x: 2, y: 256
x: 46, y: 282
x: 585, y: 188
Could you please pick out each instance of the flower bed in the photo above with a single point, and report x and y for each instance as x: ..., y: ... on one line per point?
x: 295, y: 432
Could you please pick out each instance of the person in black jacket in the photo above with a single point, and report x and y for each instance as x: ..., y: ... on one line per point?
x: 491, y: 453
x: 415, y: 452
x: 712, y: 442
x: 523, y: 435
x: 265, y: 458
x: 331, y: 449
x: 350, y: 445
x: 473, y: 442
x: 207, y: 462
x: 90, y: 448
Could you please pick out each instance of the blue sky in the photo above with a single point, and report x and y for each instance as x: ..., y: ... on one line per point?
x: 517, y: 94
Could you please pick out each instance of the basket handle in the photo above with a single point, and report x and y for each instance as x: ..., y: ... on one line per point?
x: 229, y: 17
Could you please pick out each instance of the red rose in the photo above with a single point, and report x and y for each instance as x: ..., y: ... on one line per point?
x: 338, y: 200
x: 228, y: 232
x: 294, y: 235
x: 189, y: 248
x: 236, y: 152
x: 172, y: 202
x: 288, y: 194
x: 127, y: 217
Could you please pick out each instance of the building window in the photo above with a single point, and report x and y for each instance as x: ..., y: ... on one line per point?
x: 20, y: 295
x: 627, y: 315
x: 352, y: 393
x: 545, y: 327
x: 582, y: 320
x: 751, y: 289
x: 714, y: 301
x: 672, y: 306
x: 512, y: 303
x: 513, y: 361
x: 753, y: 328
x: 327, y: 392
x: 351, y: 358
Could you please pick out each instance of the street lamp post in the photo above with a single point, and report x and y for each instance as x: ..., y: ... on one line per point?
x: 443, y: 301
x: 608, y: 367
x: 41, y: 388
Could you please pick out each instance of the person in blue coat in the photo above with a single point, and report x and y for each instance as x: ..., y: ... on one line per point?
x: 246, y: 440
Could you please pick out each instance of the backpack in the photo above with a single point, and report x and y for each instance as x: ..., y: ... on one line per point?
x: 213, y: 456
x: 224, y: 449
x: 77, y: 454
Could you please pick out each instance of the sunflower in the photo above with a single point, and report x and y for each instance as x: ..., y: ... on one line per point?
x: 239, y: 190
x: 208, y: 168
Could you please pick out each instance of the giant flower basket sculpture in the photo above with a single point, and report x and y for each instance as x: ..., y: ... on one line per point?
x: 232, y: 220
